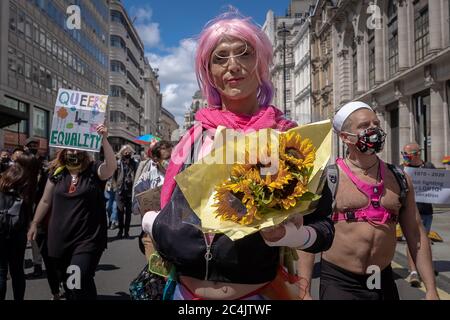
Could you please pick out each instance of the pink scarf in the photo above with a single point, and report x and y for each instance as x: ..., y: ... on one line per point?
x: 210, y: 118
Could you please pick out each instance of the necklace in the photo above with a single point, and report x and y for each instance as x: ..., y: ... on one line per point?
x: 364, y: 170
x: 73, y: 185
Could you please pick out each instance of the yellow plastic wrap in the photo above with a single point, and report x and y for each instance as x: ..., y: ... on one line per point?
x: 198, y: 181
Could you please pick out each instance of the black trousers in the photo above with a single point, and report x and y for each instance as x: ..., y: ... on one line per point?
x: 50, y: 264
x: 124, y: 213
x: 79, y: 285
x: 339, y: 284
x: 12, y: 253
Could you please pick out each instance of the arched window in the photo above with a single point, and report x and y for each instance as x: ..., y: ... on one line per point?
x: 392, y: 37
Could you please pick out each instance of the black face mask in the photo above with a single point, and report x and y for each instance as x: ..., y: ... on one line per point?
x: 5, y: 160
x: 73, y: 160
x: 127, y: 156
x: 33, y: 151
x: 370, y: 140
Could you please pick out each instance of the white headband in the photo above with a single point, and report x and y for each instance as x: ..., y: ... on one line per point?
x: 346, y: 111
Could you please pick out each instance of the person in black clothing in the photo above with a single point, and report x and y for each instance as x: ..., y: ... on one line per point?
x: 18, y: 182
x: 124, y: 181
x: 412, y: 158
x: 77, y: 232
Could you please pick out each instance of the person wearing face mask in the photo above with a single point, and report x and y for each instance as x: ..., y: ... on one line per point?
x: 152, y: 176
x: 368, y: 202
x: 412, y: 158
x: 124, y: 179
x: 5, y: 161
x: 77, y: 228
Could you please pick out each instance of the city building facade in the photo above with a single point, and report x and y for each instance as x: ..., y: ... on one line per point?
x: 290, y: 71
x: 126, y: 118
x: 198, y: 102
x: 39, y: 54
x: 168, y: 127
x: 152, y: 99
x: 395, y: 56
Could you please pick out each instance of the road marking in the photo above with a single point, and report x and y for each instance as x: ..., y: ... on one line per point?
x: 442, y: 294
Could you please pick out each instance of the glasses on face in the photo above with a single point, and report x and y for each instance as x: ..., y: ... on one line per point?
x: 242, y: 55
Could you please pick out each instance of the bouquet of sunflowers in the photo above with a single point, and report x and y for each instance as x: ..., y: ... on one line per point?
x: 246, y: 195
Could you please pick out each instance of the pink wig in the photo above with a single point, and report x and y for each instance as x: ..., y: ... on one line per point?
x: 245, y: 30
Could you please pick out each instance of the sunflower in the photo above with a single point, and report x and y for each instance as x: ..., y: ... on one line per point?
x: 291, y: 199
x: 280, y: 179
x: 235, y: 202
x: 298, y: 152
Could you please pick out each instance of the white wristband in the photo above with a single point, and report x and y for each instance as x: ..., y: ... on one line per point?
x: 147, y: 221
x: 301, y: 238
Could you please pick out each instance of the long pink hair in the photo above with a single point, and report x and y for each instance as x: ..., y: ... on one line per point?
x: 231, y: 24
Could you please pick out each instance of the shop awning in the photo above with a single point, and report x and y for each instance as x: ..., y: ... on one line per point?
x: 10, y: 116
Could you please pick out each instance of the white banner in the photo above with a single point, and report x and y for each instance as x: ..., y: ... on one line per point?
x: 430, y: 185
x: 76, y: 117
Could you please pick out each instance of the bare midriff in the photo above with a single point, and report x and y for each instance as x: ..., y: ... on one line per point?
x: 359, y: 245
x: 218, y: 290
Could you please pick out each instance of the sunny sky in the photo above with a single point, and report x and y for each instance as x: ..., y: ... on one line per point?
x: 168, y: 30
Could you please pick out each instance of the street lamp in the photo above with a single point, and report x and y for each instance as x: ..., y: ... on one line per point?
x: 283, y: 32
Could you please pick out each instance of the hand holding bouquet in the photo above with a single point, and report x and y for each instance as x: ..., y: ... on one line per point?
x: 246, y: 195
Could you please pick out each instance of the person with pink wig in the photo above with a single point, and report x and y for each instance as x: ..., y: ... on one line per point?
x: 232, y: 66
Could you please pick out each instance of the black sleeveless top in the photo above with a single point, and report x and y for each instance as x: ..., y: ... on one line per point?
x: 78, y: 220
x: 248, y: 260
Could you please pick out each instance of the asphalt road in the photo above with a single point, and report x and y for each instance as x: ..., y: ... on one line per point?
x: 122, y: 262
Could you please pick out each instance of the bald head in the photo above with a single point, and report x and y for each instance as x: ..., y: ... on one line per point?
x: 411, y: 148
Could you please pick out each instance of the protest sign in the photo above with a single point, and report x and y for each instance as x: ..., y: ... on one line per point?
x: 75, y: 119
x: 149, y: 200
x: 430, y: 185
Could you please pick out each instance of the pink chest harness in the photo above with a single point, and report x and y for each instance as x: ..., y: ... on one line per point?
x: 374, y: 211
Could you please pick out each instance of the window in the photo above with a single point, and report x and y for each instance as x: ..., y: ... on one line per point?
x: 421, y: 34
x: 21, y: 22
x: 371, y: 44
x: 117, y: 116
x: 117, y: 91
x: 117, y: 41
x: 42, y: 39
x: 27, y: 70
x: 36, y: 32
x: 12, y: 17
x: 48, y: 80
x: 65, y: 54
x: 42, y: 77
x: 54, y: 83
x: 55, y: 49
x: 35, y: 74
x: 288, y: 95
x: 20, y: 64
x: 393, y: 37
x: 40, y: 123
x: 117, y: 66
x: 12, y: 64
x: 28, y: 31
x: 15, y: 104
x: 49, y: 44
x: 288, y: 76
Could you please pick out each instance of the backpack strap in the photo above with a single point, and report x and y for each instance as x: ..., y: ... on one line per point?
x: 401, y: 180
x: 332, y: 173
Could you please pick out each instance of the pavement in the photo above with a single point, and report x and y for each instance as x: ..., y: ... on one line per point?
x: 123, y: 261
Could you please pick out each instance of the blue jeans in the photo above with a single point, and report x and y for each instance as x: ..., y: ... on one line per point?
x: 111, y: 206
